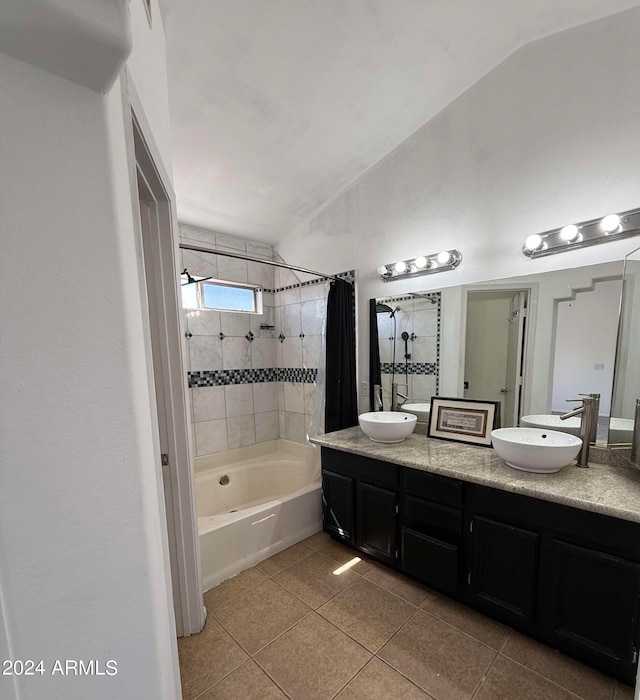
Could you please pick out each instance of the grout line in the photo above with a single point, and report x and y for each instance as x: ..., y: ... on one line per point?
x: 549, y: 680
x: 419, y: 687
x: 457, y: 629
x: 264, y: 670
x: 222, y: 679
x: 484, y: 676
x: 212, y: 611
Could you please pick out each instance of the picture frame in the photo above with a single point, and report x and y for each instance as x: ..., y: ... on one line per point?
x: 463, y: 420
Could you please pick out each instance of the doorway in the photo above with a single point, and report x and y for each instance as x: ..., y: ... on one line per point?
x: 158, y: 254
x: 494, y: 350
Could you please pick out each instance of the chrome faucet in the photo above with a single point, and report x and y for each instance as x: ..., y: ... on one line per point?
x: 588, y: 426
x: 396, y: 395
x: 377, y: 398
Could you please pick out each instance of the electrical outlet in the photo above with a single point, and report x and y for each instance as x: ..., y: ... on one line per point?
x: 598, y: 365
x: 365, y: 390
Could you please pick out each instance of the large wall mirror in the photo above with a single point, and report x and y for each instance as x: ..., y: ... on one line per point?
x: 533, y: 343
x: 626, y: 389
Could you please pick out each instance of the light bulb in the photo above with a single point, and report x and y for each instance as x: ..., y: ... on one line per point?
x: 444, y: 257
x: 610, y: 223
x: 400, y: 267
x: 569, y: 233
x: 420, y: 262
x: 533, y: 242
x: 383, y: 271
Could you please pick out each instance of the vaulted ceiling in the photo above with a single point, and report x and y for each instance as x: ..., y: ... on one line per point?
x: 278, y: 105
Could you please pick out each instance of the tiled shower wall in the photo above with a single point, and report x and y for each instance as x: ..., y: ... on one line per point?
x: 420, y: 318
x: 245, y: 392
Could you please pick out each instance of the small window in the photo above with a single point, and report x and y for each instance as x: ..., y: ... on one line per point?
x: 220, y: 295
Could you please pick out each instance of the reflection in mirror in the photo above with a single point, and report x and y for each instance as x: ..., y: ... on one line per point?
x: 495, y: 348
x: 407, y: 331
x: 566, y: 322
x: 627, y: 377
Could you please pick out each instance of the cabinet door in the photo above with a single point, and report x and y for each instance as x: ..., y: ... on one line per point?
x: 338, y: 504
x: 430, y: 560
x: 503, y: 570
x: 377, y: 514
x: 594, y: 604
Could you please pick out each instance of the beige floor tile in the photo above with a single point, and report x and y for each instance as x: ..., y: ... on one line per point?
x: 313, y: 660
x: 313, y: 579
x: 623, y: 692
x: 442, y: 660
x: 368, y: 613
x: 398, y: 583
x: 233, y: 587
x: 317, y: 540
x: 483, y: 628
x: 249, y: 682
x: 508, y: 680
x: 377, y: 681
x: 570, y: 674
x: 257, y: 617
x: 342, y: 554
x: 207, y: 657
x: 282, y: 560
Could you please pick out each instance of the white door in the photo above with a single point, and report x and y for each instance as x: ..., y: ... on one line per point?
x: 513, y: 384
x: 493, y: 350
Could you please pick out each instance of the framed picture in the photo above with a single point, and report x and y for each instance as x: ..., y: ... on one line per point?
x: 463, y: 420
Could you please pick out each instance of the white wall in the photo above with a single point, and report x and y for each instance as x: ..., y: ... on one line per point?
x: 84, y: 561
x: 586, y: 330
x: 550, y: 136
x: 147, y: 66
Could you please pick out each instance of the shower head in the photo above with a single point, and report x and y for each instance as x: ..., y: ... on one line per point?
x: 386, y: 309
x: 383, y: 309
x: 190, y: 279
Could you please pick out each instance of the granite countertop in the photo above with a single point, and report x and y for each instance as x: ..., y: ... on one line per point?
x: 609, y: 490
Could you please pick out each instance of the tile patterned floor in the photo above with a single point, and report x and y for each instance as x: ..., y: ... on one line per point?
x: 296, y: 627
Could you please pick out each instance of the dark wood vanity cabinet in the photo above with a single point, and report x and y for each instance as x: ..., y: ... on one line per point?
x: 566, y: 576
x: 360, y: 503
x: 503, y: 572
x: 431, y: 529
x: 338, y: 505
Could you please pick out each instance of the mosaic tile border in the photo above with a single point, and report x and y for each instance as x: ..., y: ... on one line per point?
x: 412, y: 367
x: 223, y: 377
x: 349, y: 276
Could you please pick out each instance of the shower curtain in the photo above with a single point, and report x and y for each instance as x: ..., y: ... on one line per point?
x: 375, y: 376
x: 341, y: 410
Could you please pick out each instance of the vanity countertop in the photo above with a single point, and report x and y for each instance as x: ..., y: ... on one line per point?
x: 605, y: 489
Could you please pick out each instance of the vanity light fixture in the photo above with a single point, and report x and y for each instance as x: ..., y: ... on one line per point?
x: 422, y: 265
x: 572, y: 236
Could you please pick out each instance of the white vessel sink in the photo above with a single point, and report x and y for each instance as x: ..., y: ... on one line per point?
x: 535, y: 449
x: 421, y: 410
x: 550, y: 422
x: 387, y: 426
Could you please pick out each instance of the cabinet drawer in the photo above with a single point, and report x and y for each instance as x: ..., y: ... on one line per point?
x: 436, y: 488
x: 430, y: 560
x: 371, y: 470
x: 419, y: 514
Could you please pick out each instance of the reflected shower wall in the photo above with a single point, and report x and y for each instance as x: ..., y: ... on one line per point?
x: 418, y: 317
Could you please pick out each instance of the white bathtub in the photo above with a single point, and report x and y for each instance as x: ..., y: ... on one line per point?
x: 272, y: 501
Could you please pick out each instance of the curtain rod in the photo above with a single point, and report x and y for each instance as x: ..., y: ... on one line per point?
x: 215, y: 251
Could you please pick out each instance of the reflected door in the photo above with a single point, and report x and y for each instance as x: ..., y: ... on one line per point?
x: 493, y: 350
x: 512, y: 389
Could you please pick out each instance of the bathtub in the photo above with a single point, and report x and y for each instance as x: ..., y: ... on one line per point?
x: 271, y: 501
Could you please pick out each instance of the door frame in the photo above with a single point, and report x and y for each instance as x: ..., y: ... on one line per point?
x: 144, y: 158
x: 528, y: 340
